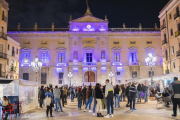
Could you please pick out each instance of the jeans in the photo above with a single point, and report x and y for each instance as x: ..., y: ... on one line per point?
x: 89, y: 101
x: 49, y: 108
x: 132, y: 99
x: 139, y: 95
x: 118, y: 100
x: 109, y: 105
x: 58, y: 101
x: 72, y: 97
x: 79, y: 103
x: 84, y: 99
x: 145, y: 96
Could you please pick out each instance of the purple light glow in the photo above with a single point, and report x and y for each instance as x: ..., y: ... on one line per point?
x: 85, y: 69
x: 59, y: 69
x: 93, y: 68
x: 75, y: 69
x: 103, y: 68
x: 119, y: 68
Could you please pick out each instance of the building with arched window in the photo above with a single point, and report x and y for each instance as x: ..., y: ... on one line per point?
x: 89, y: 49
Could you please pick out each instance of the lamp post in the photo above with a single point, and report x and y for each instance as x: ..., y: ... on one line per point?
x: 36, y: 65
x: 151, y: 61
x: 70, y: 76
x: 111, y: 75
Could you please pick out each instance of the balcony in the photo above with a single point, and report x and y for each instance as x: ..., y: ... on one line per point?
x: 89, y: 64
x: 3, y: 55
x: 164, y: 41
x: 167, y: 71
x: 163, y: 26
x: 4, y: 18
x: 134, y: 63
x: 176, y: 15
x: 13, y: 53
x: 178, y: 53
x: 2, y: 74
x: 3, y: 36
x: 177, y: 34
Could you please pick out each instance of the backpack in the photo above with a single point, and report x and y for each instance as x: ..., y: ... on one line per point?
x: 48, y: 101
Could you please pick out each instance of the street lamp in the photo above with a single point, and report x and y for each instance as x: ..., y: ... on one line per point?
x: 70, y: 76
x: 151, y: 61
x: 36, y: 65
x: 111, y: 75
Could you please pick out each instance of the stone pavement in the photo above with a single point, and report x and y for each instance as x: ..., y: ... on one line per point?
x: 145, y: 111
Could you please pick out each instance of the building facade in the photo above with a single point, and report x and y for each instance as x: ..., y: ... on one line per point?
x: 170, y: 33
x: 89, y: 49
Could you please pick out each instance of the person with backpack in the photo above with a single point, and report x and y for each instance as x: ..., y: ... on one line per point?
x: 48, y: 95
x: 79, y: 97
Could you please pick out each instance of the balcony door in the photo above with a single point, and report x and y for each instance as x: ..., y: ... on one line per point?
x: 89, y: 57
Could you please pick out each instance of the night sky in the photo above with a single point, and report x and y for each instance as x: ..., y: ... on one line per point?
x: 44, y: 12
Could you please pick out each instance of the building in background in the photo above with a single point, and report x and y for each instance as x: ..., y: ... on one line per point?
x: 89, y: 49
x: 4, y: 7
x: 170, y: 36
x: 13, y: 50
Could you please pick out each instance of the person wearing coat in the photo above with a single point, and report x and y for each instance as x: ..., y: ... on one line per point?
x: 49, y: 107
x: 79, y: 97
x: 41, y: 96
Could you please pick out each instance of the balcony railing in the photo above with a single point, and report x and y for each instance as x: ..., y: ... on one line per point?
x: 3, y: 35
x: 134, y: 63
x: 2, y: 74
x: 176, y: 15
x: 89, y: 64
x: 163, y: 26
x: 177, y: 33
x: 178, y: 53
x: 4, y: 18
x: 3, y: 55
x: 164, y: 41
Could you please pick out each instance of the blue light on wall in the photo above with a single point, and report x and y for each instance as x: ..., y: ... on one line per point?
x: 85, y: 69
x: 119, y: 68
x: 75, y: 69
x: 94, y: 68
x: 103, y: 68
x: 59, y: 69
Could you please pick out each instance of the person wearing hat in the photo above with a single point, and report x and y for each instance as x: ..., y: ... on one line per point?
x: 132, y: 95
x: 175, y: 91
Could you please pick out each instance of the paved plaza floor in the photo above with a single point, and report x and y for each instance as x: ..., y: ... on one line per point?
x: 145, y: 111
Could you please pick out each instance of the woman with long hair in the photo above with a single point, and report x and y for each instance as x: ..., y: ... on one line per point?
x: 89, y: 97
x: 79, y: 97
x: 99, y: 97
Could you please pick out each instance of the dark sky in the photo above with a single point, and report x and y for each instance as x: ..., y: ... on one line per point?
x: 44, y: 12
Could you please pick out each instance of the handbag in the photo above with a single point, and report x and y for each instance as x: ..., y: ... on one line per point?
x: 48, y: 101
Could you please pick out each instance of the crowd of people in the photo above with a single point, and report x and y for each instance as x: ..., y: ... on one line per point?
x: 105, y: 97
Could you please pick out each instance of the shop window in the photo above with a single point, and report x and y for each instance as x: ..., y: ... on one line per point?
x: 25, y: 76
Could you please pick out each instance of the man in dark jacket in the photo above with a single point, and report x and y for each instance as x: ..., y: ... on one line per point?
x: 62, y: 96
x: 123, y: 92
x: 84, y: 94
x: 175, y: 90
x: 132, y: 94
x: 139, y: 89
x: 41, y: 96
x: 127, y: 94
x: 116, y: 94
x: 145, y: 91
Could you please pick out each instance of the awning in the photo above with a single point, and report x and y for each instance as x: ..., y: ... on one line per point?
x: 5, y: 81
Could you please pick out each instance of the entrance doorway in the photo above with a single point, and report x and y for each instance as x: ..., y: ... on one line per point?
x: 89, y: 76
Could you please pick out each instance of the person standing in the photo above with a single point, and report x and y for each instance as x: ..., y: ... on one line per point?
x: 79, y: 97
x: 103, y: 100
x: 49, y: 107
x: 109, y: 92
x: 139, y: 89
x: 145, y: 91
x: 41, y: 96
x: 72, y: 91
x: 132, y: 95
x: 99, y: 97
x: 123, y: 92
x: 57, y: 94
x: 65, y: 96
x: 116, y: 94
x: 62, y: 96
x: 95, y: 102
x: 84, y: 94
x: 175, y: 92
x: 127, y: 94
x: 89, y: 97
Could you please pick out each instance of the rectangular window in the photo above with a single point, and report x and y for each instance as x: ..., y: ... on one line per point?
x: 116, y: 57
x: 173, y: 50
x: 25, y: 76
x: 150, y: 73
x: 148, y: 42
x: 3, y: 15
x: 134, y: 74
x: 16, y: 51
x: 61, y: 57
x: 132, y: 42
x: 133, y: 57
x: 7, y: 61
x: 89, y: 57
x: 115, y: 42
x: 166, y: 54
x: 118, y: 73
x: 170, y: 16
x: 171, y: 32
x: 163, y: 21
x: 8, y: 46
x: 102, y: 54
x: 44, y: 57
x: 43, y: 78
x: 165, y: 37
x: 61, y: 78
x: 13, y: 52
x: 174, y: 65
x: 26, y: 57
